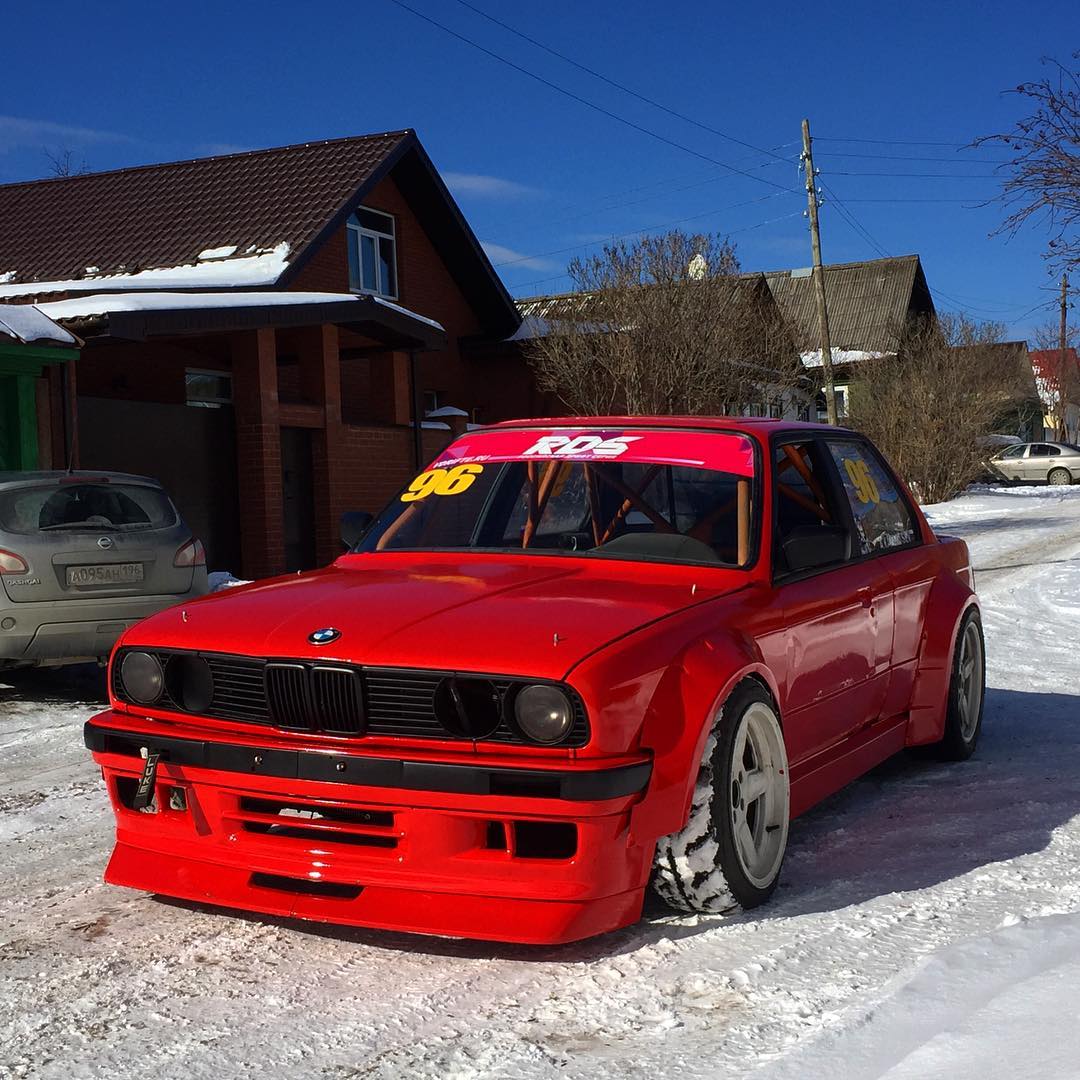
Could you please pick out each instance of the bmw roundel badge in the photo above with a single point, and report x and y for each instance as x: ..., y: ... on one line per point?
x: 324, y: 636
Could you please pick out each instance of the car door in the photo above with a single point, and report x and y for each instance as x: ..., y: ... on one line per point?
x: 1036, y: 462
x: 889, y: 538
x: 1011, y: 463
x: 837, y: 614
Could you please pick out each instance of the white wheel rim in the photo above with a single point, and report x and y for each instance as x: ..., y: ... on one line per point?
x: 969, y: 681
x: 758, y: 794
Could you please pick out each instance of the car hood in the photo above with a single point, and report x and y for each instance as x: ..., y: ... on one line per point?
x: 518, y: 615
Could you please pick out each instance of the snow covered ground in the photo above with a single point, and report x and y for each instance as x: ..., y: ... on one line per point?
x: 927, y: 926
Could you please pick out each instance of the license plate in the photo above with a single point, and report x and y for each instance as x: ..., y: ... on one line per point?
x: 111, y: 574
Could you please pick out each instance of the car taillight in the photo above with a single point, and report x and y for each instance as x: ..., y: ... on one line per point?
x: 191, y: 554
x: 10, y: 563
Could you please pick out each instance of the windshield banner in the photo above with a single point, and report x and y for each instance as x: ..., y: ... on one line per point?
x: 718, y: 451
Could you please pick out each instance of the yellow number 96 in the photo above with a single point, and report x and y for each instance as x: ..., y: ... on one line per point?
x: 866, y: 491
x: 442, y: 482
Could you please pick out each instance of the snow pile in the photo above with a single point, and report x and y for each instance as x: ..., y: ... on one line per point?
x: 257, y: 266
x: 27, y: 324
x: 223, y: 579
x: 812, y: 359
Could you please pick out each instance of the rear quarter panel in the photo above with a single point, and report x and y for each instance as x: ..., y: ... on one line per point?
x: 950, y: 595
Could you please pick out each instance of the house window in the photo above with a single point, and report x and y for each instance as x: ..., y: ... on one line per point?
x: 208, y: 389
x: 432, y: 401
x: 372, y: 254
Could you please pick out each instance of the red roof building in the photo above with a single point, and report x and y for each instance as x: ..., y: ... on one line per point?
x: 262, y: 331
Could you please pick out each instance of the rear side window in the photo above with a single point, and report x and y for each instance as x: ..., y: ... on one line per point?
x: 69, y: 506
x: 883, y: 519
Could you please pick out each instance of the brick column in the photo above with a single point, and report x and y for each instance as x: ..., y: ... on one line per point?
x: 258, y: 453
x: 390, y: 388
x: 320, y: 378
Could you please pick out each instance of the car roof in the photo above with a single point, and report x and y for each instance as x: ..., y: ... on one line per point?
x: 718, y: 423
x: 32, y: 476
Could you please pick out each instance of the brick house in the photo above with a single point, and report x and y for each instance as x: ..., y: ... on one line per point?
x: 261, y: 331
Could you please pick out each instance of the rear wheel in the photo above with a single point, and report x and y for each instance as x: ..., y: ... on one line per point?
x: 967, y: 689
x: 731, y: 849
x: 1060, y: 477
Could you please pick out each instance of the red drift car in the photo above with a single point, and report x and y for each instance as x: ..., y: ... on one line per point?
x: 570, y: 658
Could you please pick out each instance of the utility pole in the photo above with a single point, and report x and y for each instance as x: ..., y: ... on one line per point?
x: 819, y: 273
x: 1063, y: 368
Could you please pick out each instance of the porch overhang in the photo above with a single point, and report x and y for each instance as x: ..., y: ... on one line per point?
x: 132, y: 316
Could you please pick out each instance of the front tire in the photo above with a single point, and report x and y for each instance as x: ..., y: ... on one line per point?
x: 730, y: 851
x: 967, y: 691
x: 1059, y: 477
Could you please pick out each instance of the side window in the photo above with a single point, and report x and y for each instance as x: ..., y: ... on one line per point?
x: 808, y: 531
x: 883, y: 519
x: 1039, y: 450
x: 1015, y: 451
x: 1053, y: 451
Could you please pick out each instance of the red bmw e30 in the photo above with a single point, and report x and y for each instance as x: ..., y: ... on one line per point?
x: 571, y: 658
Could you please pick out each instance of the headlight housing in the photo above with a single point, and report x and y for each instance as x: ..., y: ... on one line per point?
x: 543, y: 713
x: 143, y: 677
x: 190, y: 683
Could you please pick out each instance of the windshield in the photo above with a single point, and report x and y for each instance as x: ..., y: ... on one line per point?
x: 75, y: 504
x: 675, y: 496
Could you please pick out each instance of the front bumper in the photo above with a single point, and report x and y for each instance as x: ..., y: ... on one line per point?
x: 76, y: 629
x: 469, y: 847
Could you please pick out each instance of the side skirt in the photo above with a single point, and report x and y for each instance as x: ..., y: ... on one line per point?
x: 826, y: 773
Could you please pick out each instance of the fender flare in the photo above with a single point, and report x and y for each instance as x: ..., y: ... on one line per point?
x: 947, y: 606
x: 693, y: 693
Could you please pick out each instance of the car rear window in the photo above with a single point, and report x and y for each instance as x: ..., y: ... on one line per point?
x: 91, y: 505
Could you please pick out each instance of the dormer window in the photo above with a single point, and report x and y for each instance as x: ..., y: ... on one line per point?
x: 372, y: 257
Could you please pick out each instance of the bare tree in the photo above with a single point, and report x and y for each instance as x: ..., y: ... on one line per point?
x: 1058, y: 377
x: 930, y: 407
x: 62, y: 161
x: 663, y: 325
x: 1043, y: 178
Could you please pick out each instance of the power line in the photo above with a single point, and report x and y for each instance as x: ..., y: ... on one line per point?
x: 910, y: 157
x: 611, y: 82
x: 894, y: 142
x: 921, y: 176
x: 640, y: 232
x: 586, y: 102
x: 971, y: 200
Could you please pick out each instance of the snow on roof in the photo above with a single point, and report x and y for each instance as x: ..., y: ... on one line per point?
x: 81, y: 307
x: 405, y: 311
x: 259, y: 267
x: 25, y: 323
x: 446, y: 410
x: 812, y: 359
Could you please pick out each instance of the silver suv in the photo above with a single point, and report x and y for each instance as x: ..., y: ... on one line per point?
x: 83, y: 556
x: 1054, y: 463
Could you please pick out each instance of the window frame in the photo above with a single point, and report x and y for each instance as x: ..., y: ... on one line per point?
x: 208, y: 403
x: 872, y: 451
x: 354, y: 228
x: 835, y: 488
x: 834, y: 493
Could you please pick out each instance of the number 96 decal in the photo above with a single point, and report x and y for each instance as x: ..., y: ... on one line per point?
x: 866, y: 491
x: 442, y: 482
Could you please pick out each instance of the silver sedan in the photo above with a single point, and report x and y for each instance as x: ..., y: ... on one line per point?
x: 1038, y: 462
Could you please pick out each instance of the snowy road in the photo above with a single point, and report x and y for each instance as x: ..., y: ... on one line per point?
x: 927, y: 925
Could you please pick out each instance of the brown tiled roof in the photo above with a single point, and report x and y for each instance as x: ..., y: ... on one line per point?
x: 867, y: 301
x: 165, y: 215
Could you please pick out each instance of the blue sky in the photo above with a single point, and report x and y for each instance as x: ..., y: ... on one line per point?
x: 542, y: 177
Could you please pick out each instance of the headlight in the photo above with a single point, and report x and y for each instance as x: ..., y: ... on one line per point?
x: 142, y: 677
x: 543, y: 713
x: 190, y: 683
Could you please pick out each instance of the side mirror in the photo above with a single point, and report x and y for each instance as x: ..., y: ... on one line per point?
x: 815, y: 545
x: 354, y: 523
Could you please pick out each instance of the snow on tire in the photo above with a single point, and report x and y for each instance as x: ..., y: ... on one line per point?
x: 729, y: 852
